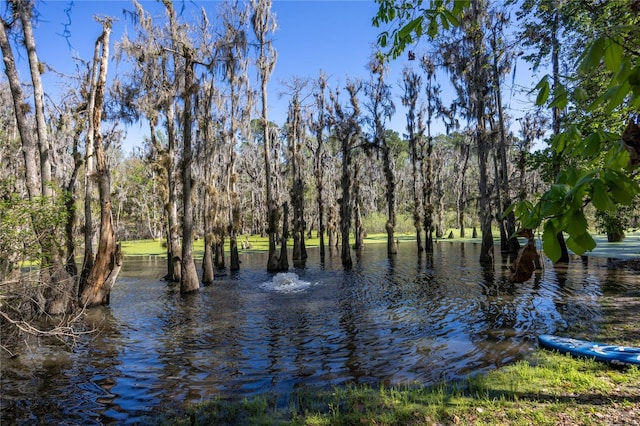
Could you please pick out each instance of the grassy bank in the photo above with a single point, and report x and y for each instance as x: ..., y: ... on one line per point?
x: 257, y: 243
x: 547, y: 389
x: 628, y: 248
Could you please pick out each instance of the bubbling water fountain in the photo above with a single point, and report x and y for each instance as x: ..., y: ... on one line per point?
x: 286, y: 282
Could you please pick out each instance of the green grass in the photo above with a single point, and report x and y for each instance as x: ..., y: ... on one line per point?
x: 258, y: 244
x: 546, y: 389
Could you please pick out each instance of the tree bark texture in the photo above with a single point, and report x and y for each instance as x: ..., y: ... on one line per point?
x: 108, y: 261
x: 29, y: 148
x: 263, y: 22
x: 24, y: 9
x: 412, y: 86
x: 318, y: 159
x: 189, y: 281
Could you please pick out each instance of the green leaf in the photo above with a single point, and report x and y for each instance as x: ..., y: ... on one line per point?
x: 459, y: 6
x: 550, y: 243
x: 508, y: 210
x: 544, y: 89
x: 576, y: 223
x: 533, y: 220
x: 634, y: 76
x: 581, y: 243
x: 616, y: 95
x: 382, y: 39
x: 624, y: 72
x: 561, y: 98
x: 600, y: 196
x: 596, y: 103
x: 523, y: 207
x: 432, y: 31
x: 592, y: 144
x: 618, y: 157
x: 593, y: 55
x: 405, y: 32
x: 579, y: 190
x: 622, y: 187
x: 559, y: 143
x: 580, y: 94
x: 613, y: 55
x: 451, y: 17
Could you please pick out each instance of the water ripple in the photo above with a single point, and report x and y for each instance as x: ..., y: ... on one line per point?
x: 401, y: 320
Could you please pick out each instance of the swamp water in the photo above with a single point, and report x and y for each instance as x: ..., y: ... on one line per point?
x: 392, y: 321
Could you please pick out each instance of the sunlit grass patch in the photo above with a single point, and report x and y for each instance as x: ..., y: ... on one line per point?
x: 144, y: 248
x: 547, y: 389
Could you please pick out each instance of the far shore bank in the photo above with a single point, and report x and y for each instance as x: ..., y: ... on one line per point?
x: 627, y: 249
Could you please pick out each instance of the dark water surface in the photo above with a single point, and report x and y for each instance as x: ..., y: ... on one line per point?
x: 391, y: 321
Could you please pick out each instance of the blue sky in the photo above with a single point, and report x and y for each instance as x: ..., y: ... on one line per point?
x: 334, y: 36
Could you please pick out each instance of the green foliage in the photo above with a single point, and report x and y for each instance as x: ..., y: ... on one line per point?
x: 412, y: 19
x: 27, y: 226
x: 614, y: 223
x: 596, y: 164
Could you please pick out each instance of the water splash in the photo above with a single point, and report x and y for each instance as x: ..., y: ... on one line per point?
x: 286, y: 282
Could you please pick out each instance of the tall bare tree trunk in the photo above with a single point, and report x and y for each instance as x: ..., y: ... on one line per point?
x: 461, y: 197
x: 263, y: 22
x: 318, y: 158
x: 345, y: 203
x: 24, y: 9
x: 189, y: 280
x: 174, y: 247
x: 209, y: 212
x: 21, y: 107
x: 511, y: 243
x: 381, y: 108
x: 109, y: 256
x: 90, y: 172
x: 60, y: 286
x: 358, y: 226
x: 427, y: 190
x: 295, y: 135
x: 412, y: 86
x: 478, y: 91
x: 283, y: 259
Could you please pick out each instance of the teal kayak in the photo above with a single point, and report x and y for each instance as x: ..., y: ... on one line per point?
x: 614, y: 354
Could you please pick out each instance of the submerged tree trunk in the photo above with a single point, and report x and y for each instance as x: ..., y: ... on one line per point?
x: 174, y: 249
x: 218, y: 251
x: 318, y: 158
x: 90, y: 173
x: 71, y: 189
x: 108, y: 259
x: 263, y: 22
x: 207, y: 260
x: 189, y: 280
x: 427, y: 193
x: 295, y: 132
x: 508, y: 242
x: 358, y: 227
x: 347, y: 128
x: 283, y: 259
x: 486, y: 250
x: 461, y: 197
x: 390, y: 178
x: 412, y: 87
x: 272, y: 213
